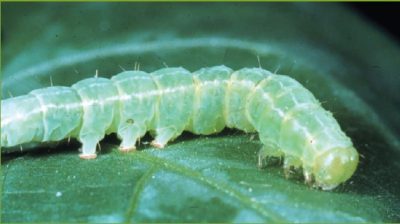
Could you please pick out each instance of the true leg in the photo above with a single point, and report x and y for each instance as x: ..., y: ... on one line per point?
x: 269, y: 154
x: 291, y: 165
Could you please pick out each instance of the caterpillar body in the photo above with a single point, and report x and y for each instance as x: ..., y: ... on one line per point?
x: 290, y: 121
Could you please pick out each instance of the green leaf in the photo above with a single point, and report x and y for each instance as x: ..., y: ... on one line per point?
x: 341, y: 58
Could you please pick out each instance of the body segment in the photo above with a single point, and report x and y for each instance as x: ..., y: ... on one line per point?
x: 175, y: 104
x: 61, y: 112
x: 136, y: 89
x: 291, y: 123
x: 209, y: 100
x: 100, y: 112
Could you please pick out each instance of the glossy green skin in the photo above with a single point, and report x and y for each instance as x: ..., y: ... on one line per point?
x: 290, y: 121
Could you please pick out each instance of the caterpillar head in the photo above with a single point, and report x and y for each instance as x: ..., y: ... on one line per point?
x: 335, y: 166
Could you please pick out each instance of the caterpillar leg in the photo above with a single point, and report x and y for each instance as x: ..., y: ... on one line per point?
x: 268, y: 155
x: 89, y: 143
x: 163, y: 136
x: 129, y: 135
x: 291, y: 166
x: 308, y: 176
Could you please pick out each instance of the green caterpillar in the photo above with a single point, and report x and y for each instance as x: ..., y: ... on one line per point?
x: 289, y: 120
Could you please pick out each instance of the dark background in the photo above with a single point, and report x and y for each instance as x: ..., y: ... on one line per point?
x: 385, y: 16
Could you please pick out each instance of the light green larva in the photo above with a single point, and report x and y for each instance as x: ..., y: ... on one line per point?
x: 289, y: 120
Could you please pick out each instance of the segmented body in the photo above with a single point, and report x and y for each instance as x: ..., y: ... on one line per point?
x: 291, y: 123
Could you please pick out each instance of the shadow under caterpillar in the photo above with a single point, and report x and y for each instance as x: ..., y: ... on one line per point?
x: 290, y: 121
